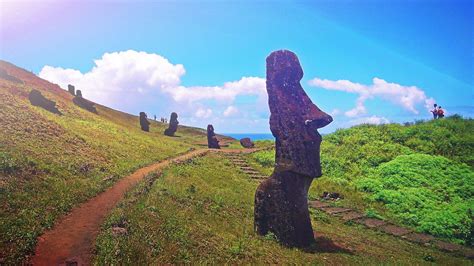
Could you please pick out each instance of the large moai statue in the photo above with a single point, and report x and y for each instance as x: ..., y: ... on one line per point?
x: 144, y: 123
x: 281, y: 201
x: 212, y: 142
x: 173, y: 125
x: 37, y: 99
x: 71, y: 89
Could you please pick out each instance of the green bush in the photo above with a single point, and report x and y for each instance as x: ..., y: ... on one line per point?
x: 430, y: 193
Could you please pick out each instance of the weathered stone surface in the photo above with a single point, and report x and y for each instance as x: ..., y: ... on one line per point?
x: 78, y: 93
x: 247, y: 143
x: 371, y: 222
x: 37, y: 99
x: 144, y: 123
x: 281, y: 201
x: 394, y: 230
x: 71, y: 89
x: 212, y: 142
x: 173, y: 125
x: 84, y: 103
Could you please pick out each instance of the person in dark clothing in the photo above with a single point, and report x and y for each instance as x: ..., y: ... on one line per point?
x: 435, y: 111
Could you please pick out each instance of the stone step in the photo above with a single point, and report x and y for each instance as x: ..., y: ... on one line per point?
x: 394, y: 230
x: 418, y: 238
x: 371, y: 222
x: 334, y: 210
x: 351, y: 215
x: 258, y: 176
x: 318, y: 204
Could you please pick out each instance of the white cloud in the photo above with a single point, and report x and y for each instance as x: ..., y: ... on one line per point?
x: 230, y: 111
x: 118, y: 75
x: 376, y: 120
x: 226, y: 93
x: 203, y: 113
x: 408, y: 97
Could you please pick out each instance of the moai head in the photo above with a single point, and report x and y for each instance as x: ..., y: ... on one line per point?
x: 71, y: 89
x: 174, y: 118
x: 79, y: 93
x: 210, y: 130
x: 294, y: 118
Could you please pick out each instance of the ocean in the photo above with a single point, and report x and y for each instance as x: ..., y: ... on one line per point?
x: 252, y: 136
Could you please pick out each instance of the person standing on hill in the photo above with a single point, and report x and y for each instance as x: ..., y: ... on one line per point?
x: 435, y: 111
x: 440, y: 112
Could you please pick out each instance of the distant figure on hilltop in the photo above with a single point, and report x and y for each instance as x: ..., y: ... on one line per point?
x: 173, y: 127
x: 435, y: 111
x: 144, y: 123
x: 440, y: 112
x: 281, y: 201
x: 212, y: 142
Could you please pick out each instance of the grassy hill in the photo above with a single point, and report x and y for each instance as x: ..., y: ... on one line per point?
x: 49, y: 162
x: 418, y: 175
x: 201, y: 212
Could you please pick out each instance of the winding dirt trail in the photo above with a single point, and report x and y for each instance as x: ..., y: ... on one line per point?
x: 71, y: 240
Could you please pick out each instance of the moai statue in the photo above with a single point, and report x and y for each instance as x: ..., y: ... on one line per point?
x: 281, y: 201
x: 71, y: 89
x: 37, y: 99
x: 144, y: 123
x: 83, y: 103
x: 247, y: 143
x: 212, y: 141
x: 173, y: 125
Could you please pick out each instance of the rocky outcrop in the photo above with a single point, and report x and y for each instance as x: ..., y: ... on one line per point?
x: 144, y: 123
x: 173, y: 125
x: 37, y: 99
x: 71, y: 89
x: 247, y: 143
x: 281, y: 203
x: 212, y: 142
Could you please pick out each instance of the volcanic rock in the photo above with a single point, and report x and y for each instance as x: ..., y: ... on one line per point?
x: 281, y: 201
x: 84, y: 103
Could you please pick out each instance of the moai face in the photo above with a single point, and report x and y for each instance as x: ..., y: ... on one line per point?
x: 294, y: 118
x: 174, y: 118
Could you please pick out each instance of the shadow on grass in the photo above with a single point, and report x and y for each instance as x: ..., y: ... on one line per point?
x: 326, y: 245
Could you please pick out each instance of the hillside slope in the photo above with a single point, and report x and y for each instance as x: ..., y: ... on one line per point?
x: 417, y: 175
x: 50, y: 162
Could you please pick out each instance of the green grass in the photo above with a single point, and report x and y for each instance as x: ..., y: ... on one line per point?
x: 50, y: 163
x: 202, y: 213
x: 419, y: 175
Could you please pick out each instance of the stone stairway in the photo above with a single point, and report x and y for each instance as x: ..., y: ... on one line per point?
x: 237, y: 159
x: 350, y: 215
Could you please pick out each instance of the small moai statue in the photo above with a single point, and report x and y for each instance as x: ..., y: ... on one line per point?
x: 173, y: 125
x: 144, y: 123
x: 71, y: 89
x: 212, y: 142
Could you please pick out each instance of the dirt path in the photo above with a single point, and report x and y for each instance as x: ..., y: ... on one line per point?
x: 71, y: 240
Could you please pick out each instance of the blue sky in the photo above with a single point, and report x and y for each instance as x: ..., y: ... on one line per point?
x: 206, y: 60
